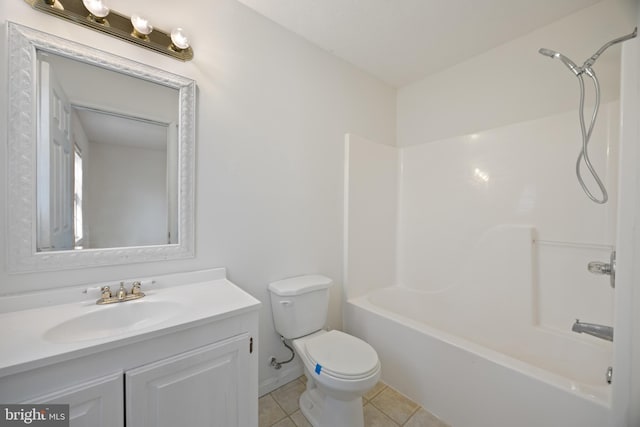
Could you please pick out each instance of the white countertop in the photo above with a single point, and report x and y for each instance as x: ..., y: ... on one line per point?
x: 25, y: 344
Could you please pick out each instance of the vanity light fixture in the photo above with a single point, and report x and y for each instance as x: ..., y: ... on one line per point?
x: 141, y: 27
x: 96, y: 15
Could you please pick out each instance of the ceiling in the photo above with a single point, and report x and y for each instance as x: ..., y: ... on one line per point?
x: 109, y: 128
x: 401, y: 41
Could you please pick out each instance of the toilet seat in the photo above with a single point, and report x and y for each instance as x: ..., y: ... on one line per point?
x: 341, y: 356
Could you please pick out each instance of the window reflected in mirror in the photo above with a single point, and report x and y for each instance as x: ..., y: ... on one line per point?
x: 77, y: 198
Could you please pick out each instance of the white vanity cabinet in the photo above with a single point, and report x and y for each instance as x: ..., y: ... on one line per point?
x: 207, y: 386
x: 197, y: 368
x: 204, y: 387
x: 97, y: 402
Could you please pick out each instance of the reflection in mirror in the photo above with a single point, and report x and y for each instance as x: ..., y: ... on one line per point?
x: 107, y: 170
x: 100, y: 157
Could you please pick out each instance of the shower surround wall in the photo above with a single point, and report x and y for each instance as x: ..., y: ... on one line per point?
x: 487, y: 151
x: 493, y: 238
x: 456, y: 191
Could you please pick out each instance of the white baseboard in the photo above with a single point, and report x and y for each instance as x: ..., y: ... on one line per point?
x: 279, y: 378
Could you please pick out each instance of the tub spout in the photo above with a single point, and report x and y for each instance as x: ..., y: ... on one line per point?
x: 599, y: 331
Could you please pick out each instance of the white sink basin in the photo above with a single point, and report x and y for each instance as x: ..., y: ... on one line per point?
x: 111, y: 320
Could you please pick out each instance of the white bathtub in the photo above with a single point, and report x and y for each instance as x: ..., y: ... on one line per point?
x: 479, y: 371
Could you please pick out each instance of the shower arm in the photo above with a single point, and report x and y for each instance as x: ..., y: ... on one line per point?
x: 589, y: 62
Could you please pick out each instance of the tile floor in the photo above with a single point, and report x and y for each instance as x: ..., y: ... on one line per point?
x: 383, y: 407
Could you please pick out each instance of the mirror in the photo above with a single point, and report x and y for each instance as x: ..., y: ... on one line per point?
x: 100, y: 157
x: 105, y: 161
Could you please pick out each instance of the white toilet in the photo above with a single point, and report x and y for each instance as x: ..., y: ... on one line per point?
x: 340, y: 368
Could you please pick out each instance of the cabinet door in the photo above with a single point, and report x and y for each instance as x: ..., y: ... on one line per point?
x: 205, y: 387
x: 95, y: 403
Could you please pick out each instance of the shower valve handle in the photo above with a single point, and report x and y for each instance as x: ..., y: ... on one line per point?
x: 598, y: 267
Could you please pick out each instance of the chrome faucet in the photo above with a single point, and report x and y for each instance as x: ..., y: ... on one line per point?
x: 122, y: 292
x: 122, y: 295
x: 598, y: 331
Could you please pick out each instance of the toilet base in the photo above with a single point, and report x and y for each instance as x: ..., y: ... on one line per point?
x: 322, y: 410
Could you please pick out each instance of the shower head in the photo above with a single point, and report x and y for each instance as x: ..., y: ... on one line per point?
x: 548, y: 52
x: 566, y: 61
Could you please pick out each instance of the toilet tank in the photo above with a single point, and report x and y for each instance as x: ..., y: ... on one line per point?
x: 300, y: 304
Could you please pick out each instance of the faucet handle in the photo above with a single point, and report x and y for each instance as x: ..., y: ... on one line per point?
x: 135, y: 288
x: 105, y: 292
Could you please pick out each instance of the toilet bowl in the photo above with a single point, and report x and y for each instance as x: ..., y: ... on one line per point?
x: 340, y: 368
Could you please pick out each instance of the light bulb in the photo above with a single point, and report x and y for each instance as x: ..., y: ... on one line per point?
x: 96, y: 7
x: 179, y: 39
x: 141, y: 26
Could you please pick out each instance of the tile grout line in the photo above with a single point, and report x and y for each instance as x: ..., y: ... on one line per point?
x: 412, y: 414
x: 379, y: 391
x: 386, y: 386
x: 287, y: 415
x: 385, y: 414
x: 365, y: 402
x: 279, y: 406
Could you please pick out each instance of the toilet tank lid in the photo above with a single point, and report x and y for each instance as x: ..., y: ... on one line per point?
x: 299, y: 285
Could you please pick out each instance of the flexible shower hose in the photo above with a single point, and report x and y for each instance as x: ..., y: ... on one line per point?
x: 586, y: 136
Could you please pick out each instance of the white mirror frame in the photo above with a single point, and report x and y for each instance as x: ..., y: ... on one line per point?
x: 21, y: 156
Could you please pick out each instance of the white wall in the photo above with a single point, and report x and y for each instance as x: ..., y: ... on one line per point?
x: 626, y: 379
x: 127, y: 196
x: 371, y: 205
x: 513, y: 82
x: 272, y: 114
